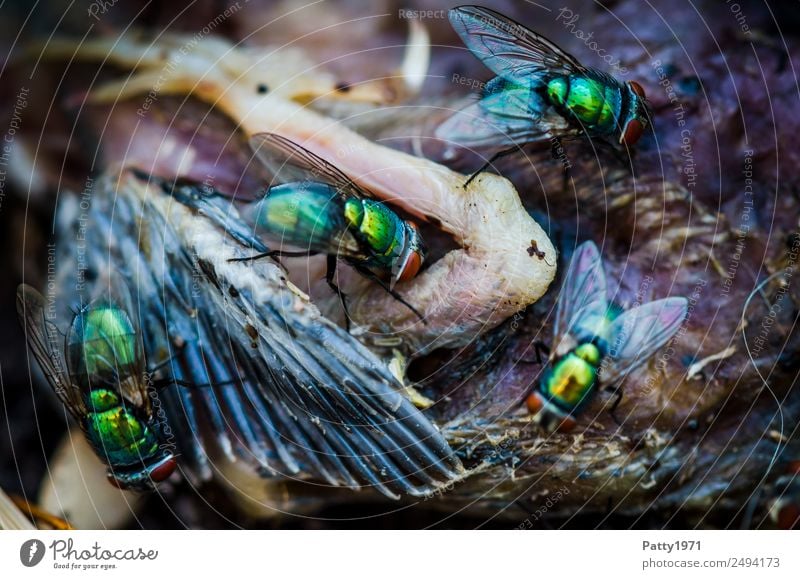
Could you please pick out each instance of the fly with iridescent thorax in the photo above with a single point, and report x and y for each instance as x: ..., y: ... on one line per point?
x: 540, y: 93
x: 594, y: 344
x: 98, y: 372
x: 317, y: 208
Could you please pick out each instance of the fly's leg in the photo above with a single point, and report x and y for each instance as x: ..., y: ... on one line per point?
x: 165, y: 382
x: 619, y: 155
x: 539, y: 348
x: 761, y: 38
x: 274, y: 254
x: 330, y: 273
x: 161, y: 365
x: 491, y: 161
x: 565, y: 180
x: 616, y: 391
x: 630, y: 159
x: 371, y: 276
x: 160, y: 383
x: 253, y: 257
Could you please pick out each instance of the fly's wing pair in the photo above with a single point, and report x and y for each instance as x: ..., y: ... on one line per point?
x: 304, y: 204
x: 633, y: 336
x: 512, y: 109
x: 120, y: 356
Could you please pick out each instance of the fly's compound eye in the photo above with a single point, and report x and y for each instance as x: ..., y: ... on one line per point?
x: 414, y: 254
x: 163, y: 471
x: 410, y: 267
x: 534, y: 403
x: 637, y: 88
x: 632, y: 133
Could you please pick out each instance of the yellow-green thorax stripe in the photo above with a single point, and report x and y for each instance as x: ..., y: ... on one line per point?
x: 380, y: 227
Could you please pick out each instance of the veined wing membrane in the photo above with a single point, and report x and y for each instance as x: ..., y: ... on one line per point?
x: 499, y: 119
x: 41, y: 335
x: 509, y: 49
x: 288, y: 162
x: 638, y: 333
x: 583, y: 295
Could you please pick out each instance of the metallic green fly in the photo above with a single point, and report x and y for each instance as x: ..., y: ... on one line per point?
x: 540, y: 94
x: 98, y: 373
x: 319, y: 209
x: 594, y: 345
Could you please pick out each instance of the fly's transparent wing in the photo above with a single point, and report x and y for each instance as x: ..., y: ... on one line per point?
x: 509, y: 49
x: 500, y: 119
x: 582, y: 303
x: 289, y: 162
x: 46, y: 343
x: 638, y: 333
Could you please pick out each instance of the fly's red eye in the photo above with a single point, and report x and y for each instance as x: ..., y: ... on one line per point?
x: 534, y: 403
x: 162, y: 471
x: 637, y: 88
x: 414, y: 253
x: 632, y: 133
x: 410, y: 267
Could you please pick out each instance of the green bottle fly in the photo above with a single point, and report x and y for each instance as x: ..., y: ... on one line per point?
x: 318, y: 210
x: 540, y: 93
x: 595, y: 345
x: 103, y: 386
